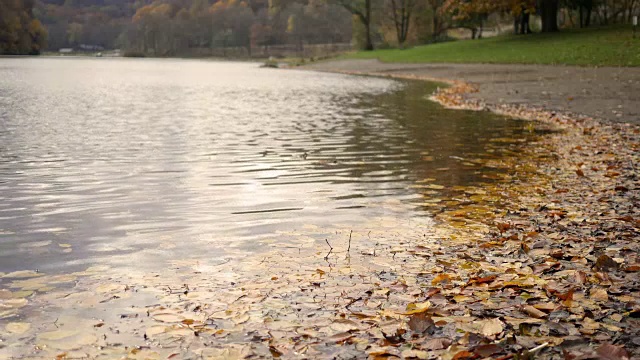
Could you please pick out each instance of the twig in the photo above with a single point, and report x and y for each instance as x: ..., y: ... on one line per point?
x: 538, y: 348
x: 330, y: 249
x: 56, y: 323
x: 352, y: 302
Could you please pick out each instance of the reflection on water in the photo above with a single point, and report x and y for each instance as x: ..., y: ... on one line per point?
x: 132, y: 161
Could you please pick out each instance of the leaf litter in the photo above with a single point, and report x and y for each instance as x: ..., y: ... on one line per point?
x: 540, y: 261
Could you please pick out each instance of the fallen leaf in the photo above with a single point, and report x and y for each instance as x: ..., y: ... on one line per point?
x: 492, y: 327
x: 414, y: 354
x: 533, y: 312
x: 420, y: 323
x: 437, y: 344
x: 612, y: 352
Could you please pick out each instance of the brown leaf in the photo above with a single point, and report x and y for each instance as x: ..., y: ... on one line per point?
x: 599, y: 294
x: 340, y: 337
x: 605, y: 263
x: 463, y: 355
x: 414, y: 354
x: 440, y: 279
x: 612, y: 352
x: 420, y: 323
x: 503, y: 227
x: 492, y: 327
x: 533, y: 312
x: 580, y: 173
x: 481, y: 280
x: 437, y: 344
x: 487, y: 350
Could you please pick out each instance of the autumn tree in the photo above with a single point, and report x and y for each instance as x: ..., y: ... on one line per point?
x: 20, y: 32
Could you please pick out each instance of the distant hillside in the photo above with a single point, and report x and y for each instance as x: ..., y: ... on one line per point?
x: 71, y: 23
x: 193, y: 27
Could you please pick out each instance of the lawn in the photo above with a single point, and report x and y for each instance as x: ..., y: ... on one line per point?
x: 614, y: 46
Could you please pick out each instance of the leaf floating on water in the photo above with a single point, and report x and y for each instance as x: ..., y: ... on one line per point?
x: 155, y: 330
x: 36, y: 244
x: 22, y: 293
x: 5, y: 294
x: 18, y: 327
x: 23, y: 274
x: 14, y: 303
x: 240, y: 319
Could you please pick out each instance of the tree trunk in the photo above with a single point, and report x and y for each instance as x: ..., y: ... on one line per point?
x: 525, y: 27
x: 367, y: 25
x: 549, y: 14
x: 368, y: 46
x: 587, y: 20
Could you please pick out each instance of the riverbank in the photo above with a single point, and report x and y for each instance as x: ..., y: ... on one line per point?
x: 609, y: 93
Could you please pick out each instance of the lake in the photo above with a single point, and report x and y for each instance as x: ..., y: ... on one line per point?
x: 132, y: 162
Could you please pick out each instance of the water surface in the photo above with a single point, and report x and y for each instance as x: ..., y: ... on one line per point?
x: 129, y: 162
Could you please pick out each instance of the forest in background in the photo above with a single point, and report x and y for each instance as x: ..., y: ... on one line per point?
x: 248, y: 27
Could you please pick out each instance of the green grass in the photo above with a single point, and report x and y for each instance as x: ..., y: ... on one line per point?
x: 613, y: 46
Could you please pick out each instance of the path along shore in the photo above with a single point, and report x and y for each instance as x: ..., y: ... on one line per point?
x: 609, y: 93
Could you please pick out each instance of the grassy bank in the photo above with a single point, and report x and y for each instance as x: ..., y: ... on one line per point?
x: 589, y: 47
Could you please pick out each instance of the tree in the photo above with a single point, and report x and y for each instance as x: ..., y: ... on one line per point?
x: 362, y: 10
x: 20, y: 32
x: 438, y: 16
x: 549, y: 15
x: 401, y: 13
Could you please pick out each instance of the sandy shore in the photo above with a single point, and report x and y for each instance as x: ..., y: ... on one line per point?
x: 607, y: 93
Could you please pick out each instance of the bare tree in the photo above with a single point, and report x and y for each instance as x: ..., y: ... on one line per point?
x: 401, y: 13
x: 361, y: 9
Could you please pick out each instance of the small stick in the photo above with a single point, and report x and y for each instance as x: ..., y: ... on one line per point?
x: 330, y: 250
x: 352, y: 302
x: 537, y: 348
x: 349, y: 248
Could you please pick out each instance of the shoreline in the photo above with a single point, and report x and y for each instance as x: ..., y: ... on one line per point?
x: 607, y: 93
x: 541, y: 260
